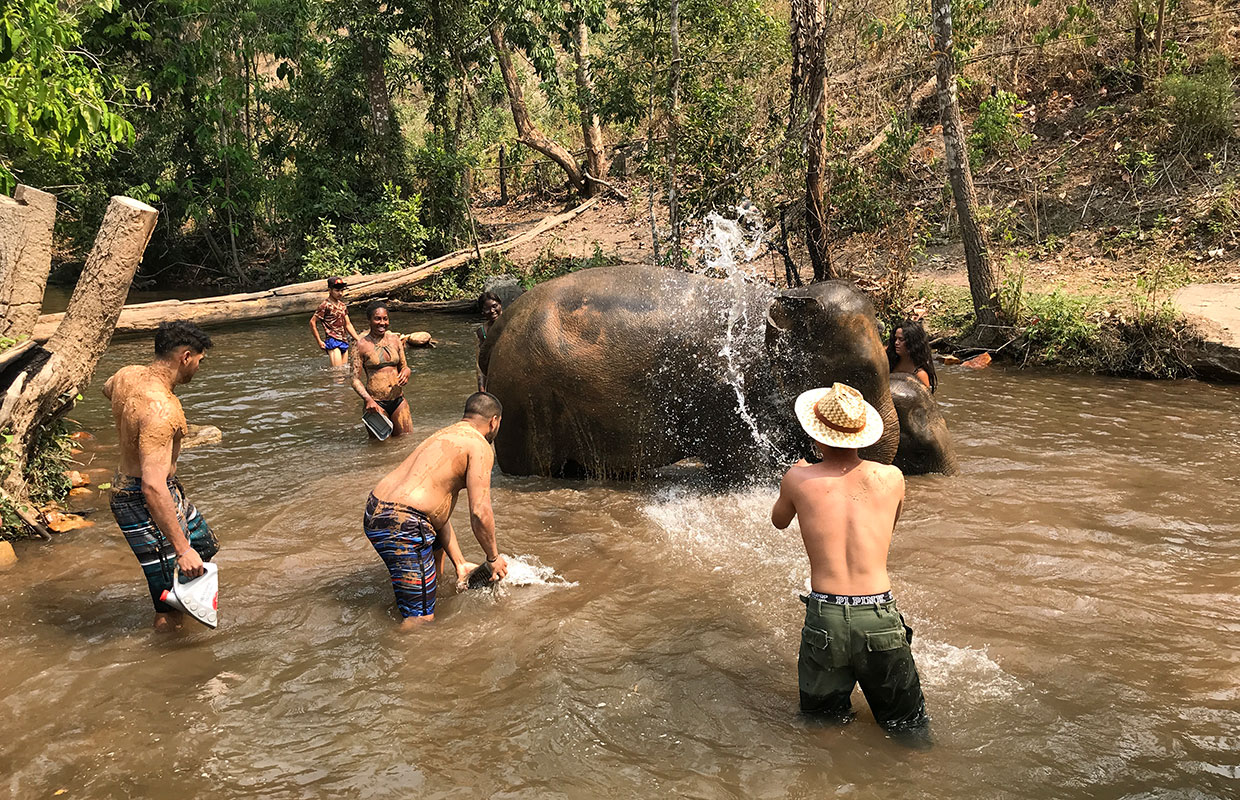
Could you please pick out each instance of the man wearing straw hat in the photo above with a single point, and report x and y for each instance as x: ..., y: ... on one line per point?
x: 847, y: 509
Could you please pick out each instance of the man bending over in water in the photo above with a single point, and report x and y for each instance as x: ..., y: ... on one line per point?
x: 407, y: 515
x: 161, y: 526
x: 848, y: 509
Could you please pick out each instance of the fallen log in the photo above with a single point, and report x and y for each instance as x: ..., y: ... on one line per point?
x: 300, y: 298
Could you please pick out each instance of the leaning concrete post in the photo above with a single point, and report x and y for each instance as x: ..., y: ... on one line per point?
x: 26, y: 221
x: 60, y: 371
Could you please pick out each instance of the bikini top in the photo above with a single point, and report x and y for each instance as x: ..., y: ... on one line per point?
x: 383, y: 356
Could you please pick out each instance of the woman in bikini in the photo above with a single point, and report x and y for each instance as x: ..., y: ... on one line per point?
x: 380, y: 371
x: 909, y: 351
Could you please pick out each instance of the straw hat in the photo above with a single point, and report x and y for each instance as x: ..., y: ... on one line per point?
x: 839, y: 417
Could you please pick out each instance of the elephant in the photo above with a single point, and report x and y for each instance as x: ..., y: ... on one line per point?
x: 925, y: 442
x: 615, y: 372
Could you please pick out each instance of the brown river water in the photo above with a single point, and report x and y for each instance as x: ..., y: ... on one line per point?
x: 1074, y: 594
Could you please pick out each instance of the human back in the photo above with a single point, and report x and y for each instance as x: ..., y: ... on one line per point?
x: 430, y: 478
x: 846, y: 522
x: 147, y: 416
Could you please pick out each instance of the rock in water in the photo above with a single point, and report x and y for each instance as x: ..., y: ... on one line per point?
x: 480, y: 577
x: 7, y: 557
x: 199, y: 435
x: 418, y: 339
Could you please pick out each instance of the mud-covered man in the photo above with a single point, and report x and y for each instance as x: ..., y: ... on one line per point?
x: 847, y: 508
x: 407, y: 515
x: 161, y: 526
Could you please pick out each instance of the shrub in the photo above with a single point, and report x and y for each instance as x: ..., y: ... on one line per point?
x: 391, y: 238
x: 1201, y: 106
x: 997, y: 128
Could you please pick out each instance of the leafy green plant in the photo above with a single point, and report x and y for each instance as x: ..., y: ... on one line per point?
x: 391, y: 237
x: 997, y: 129
x: 1202, y: 104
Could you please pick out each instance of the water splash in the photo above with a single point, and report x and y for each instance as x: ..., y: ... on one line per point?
x: 726, y: 246
x: 726, y: 243
x: 526, y: 570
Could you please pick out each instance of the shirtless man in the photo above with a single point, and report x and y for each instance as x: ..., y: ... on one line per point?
x: 380, y: 370
x: 161, y: 526
x: 847, y: 510
x: 337, y: 327
x: 407, y: 515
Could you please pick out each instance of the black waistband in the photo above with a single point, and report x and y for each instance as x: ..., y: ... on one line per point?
x: 849, y: 599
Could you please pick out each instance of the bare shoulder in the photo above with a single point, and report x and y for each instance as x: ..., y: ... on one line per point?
x: 889, y: 476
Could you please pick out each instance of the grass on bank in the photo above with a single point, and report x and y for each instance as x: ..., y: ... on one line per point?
x: 1137, y: 334
x: 468, y: 280
x: 46, y: 475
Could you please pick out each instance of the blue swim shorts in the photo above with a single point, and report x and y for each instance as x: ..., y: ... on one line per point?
x: 336, y: 344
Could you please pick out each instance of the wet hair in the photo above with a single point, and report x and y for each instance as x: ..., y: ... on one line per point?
x: 483, y: 404
x: 374, y: 308
x: 171, y: 335
x: 918, y: 345
x: 485, y: 296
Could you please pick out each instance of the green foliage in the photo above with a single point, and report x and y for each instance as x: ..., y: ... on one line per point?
x: 732, y: 54
x: 391, y: 237
x: 441, y: 174
x: 1202, y: 106
x: 548, y: 265
x: 997, y: 129
x: 1078, y: 21
x: 55, y: 101
x: 893, y: 154
x: 45, y: 475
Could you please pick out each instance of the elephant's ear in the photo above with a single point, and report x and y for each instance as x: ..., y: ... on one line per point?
x: 785, y: 315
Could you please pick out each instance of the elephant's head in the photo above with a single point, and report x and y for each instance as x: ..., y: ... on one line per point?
x: 925, y: 442
x: 823, y: 333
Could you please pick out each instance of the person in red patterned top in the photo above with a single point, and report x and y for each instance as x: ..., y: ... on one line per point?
x: 336, y: 325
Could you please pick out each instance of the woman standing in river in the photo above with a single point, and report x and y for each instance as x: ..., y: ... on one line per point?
x: 490, y: 307
x: 908, y: 351
x: 380, y: 370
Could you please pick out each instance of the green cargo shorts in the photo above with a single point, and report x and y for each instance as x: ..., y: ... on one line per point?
x: 843, y: 645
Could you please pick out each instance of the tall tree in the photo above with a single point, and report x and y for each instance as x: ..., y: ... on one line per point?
x: 809, y: 87
x: 591, y: 130
x: 55, y: 102
x: 982, y: 280
x: 529, y: 133
x: 673, y: 133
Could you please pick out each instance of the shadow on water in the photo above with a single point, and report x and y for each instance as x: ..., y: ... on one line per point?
x: 1073, y: 594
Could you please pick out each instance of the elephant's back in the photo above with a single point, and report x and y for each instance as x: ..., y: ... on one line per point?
x: 613, y: 314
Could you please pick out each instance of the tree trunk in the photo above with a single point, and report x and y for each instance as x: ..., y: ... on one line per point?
x: 982, y: 281
x: 54, y: 375
x: 530, y: 135
x: 26, y: 222
x: 1158, y: 36
x: 591, y: 132
x: 503, y: 178
x: 673, y: 130
x: 1138, y: 46
x: 809, y: 76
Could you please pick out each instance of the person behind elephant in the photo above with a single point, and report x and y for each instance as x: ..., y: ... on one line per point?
x: 490, y: 307
x: 407, y: 517
x: 380, y: 370
x: 908, y: 350
x: 847, y: 509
